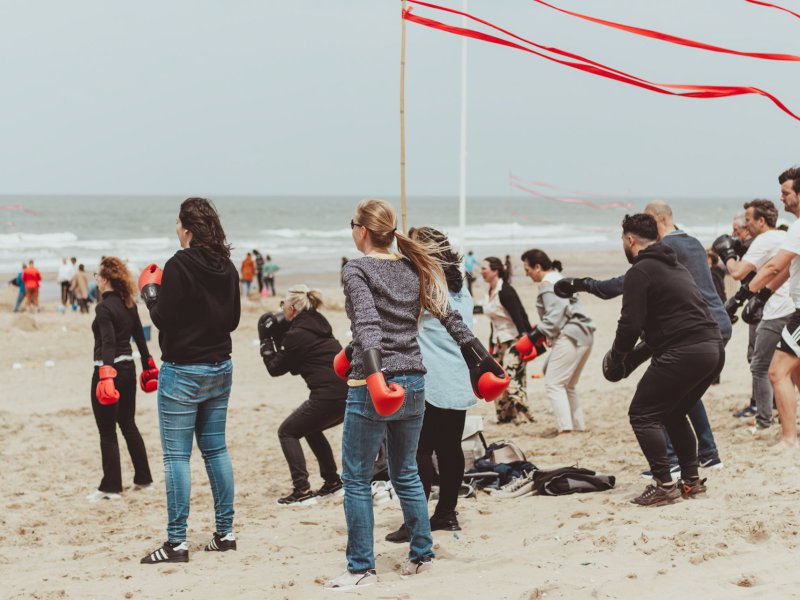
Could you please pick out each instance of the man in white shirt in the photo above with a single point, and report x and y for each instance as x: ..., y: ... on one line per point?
x: 65, y: 274
x: 783, y: 369
x: 761, y: 217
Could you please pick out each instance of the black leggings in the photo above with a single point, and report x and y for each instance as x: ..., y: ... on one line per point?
x: 122, y: 413
x: 309, y: 420
x: 673, y: 383
x: 442, y: 430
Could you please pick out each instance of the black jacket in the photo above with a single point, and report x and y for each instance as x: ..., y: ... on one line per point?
x: 308, y: 350
x: 113, y: 326
x: 661, y: 299
x: 510, y: 300
x: 197, y: 308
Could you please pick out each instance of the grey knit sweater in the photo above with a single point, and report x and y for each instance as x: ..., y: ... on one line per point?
x: 382, y: 303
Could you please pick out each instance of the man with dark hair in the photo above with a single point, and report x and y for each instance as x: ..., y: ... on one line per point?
x: 768, y: 311
x: 662, y: 304
x: 784, y: 368
x: 690, y: 253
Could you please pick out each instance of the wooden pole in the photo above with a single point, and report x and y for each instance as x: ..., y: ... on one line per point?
x: 403, y: 118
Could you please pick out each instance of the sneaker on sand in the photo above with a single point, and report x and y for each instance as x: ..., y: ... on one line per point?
x: 747, y: 411
x: 170, y: 552
x: 350, y: 581
x: 97, y: 495
x: 298, y: 498
x: 142, y: 487
x: 712, y: 463
x: 521, y: 486
x: 221, y: 543
x: 400, y: 536
x: 448, y: 522
x: 658, y: 495
x: 691, y: 488
x: 673, y: 469
x: 411, y: 568
x: 332, y: 488
x: 757, y: 429
x: 382, y: 492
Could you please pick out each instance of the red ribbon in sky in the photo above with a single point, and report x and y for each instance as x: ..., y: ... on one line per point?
x: 587, y: 65
x: 604, y: 206
x: 773, y: 6
x: 20, y: 208
x: 674, y: 39
x: 552, y: 186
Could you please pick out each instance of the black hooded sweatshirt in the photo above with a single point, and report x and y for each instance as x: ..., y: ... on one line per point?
x: 197, y: 307
x: 308, y: 350
x: 661, y: 302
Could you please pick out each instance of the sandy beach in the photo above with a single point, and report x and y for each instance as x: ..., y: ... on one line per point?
x: 739, y: 541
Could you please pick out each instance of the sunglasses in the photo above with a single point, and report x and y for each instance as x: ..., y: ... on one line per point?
x: 353, y: 224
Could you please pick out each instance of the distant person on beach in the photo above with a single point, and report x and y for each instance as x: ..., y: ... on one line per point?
x: 74, y: 263
x: 113, y: 391
x: 509, y: 270
x: 270, y: 268
x: 662, y: 304
x: 470, y: 262
x: 784, y: 369
x: 248, y: 272
x: 448, y: 394
x: 79, y: 287
x: 306, y: 348
x: 32, y: 279
x: 195, y: 304
x: 569, y: 333
x: 19, y: 283
x: 65, y: 274
x: 386, y: 294
x: 769, y: 311
x: 259, y: 260
x: 341, y: 271
x: 509, y: 322
x: 691, y: 254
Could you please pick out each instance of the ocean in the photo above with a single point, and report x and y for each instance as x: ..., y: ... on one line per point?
x: 306, y: 234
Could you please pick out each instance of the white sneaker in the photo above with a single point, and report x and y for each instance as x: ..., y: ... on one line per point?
x: 411, y: 568
x: 521, y: 486
x: 349, y: 581
x: 97, y: 495
x: 137, y: 487
x: 382, y: 492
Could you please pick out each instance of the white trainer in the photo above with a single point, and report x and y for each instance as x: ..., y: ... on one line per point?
x: 350, y: 581
x: 97, y: 495
x: 382, y: 492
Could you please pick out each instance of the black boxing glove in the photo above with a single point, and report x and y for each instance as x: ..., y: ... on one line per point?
x: 754, y: 310
x: 569, y: 286
x: 614, y: 365
x: 725, y: 247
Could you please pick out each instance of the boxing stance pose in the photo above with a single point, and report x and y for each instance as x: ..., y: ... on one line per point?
x: 386, y: 294
x: 690, y: 253
x: 299, y: 340
x: 113, y: 389
x: 661, y: 303
x: 195, y: 305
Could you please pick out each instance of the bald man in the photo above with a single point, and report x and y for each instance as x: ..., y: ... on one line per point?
x: 692, y: 255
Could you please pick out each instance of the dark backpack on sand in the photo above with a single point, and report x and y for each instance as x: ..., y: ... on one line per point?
x: 570, y: 480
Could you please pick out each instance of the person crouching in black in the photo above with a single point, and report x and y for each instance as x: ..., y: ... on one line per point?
x: 661, y: 302
x: 300, y: 341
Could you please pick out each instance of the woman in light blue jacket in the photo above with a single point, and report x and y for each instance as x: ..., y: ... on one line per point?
x: 448, y: 394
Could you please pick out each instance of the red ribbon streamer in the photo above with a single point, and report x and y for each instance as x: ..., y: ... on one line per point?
x: 773, y: 6
x: 604, y: 206
x: 665, y: 37
x: 588, y: 66
x: 20, y: 208
x: 551, y: 186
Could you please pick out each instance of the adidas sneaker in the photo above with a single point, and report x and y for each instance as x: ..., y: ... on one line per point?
x: 171, y: 552
x: 382, y: 492
x: 221, y: 543
x: 298, y: 498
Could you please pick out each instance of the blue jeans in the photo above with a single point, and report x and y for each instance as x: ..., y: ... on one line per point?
x: 363, y: 433
x: 193, y: 401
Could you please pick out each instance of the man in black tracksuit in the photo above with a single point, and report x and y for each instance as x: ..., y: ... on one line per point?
x: 661, y: 302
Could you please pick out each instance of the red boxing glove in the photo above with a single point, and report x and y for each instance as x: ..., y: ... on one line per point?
x: 341, y: 362
x: 531, y: 345
x: 489, y: 379
x: 150, y: 284
x: 387, y: 400
x: 148, y: 380
x: 106, y: 392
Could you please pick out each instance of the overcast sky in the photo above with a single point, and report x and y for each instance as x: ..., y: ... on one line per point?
x: 301, y: 97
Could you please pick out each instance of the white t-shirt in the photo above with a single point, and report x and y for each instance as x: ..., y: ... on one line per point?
x: 762, y: 248
x: 66, y: 272
x: 791, y: 243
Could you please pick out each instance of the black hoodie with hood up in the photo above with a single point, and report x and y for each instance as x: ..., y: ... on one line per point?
x: 308, y: 350
x: 197, y: 308
x: 661, y: 302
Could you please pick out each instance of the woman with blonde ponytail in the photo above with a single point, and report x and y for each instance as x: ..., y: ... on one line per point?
x: 386, y: 294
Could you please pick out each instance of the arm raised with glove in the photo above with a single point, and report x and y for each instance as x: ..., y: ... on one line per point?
x: 531, y: 345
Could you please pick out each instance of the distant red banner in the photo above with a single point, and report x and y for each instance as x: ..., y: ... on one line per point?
x: 585, y: 64
x: 19, y: 208
x: 773, y: 6
x: 516, y: 183
x: 552, y: 186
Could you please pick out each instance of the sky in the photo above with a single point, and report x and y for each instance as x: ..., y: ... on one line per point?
x: 301, y: 97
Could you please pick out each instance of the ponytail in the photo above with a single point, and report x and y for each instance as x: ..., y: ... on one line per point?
x: 535, y: 257
x: 302, y: 298
x: 495, y: 264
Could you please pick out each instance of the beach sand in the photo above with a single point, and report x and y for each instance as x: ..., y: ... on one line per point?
x: 739, y: 541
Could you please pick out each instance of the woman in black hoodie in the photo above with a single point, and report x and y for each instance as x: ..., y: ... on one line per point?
x: 308, y: 349
x: 195, y: 305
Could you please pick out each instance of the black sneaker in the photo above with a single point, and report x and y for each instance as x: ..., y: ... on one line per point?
x: 331, y: 488
x: 400, y: 536
x: 298, y: 498
x: 448, y: 522
x: 658, y: 495
x: 221, y: 543
x: 690, y: 488
x: 170, y: 552
x: 747, y: 411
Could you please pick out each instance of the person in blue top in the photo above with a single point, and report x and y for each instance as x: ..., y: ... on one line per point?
x: 17, y: 281
x: 448, y: 394
x: 469, y: 270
